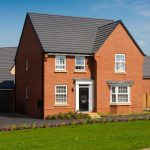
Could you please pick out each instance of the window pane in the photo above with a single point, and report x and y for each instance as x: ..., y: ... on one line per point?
x: 61, y: 94
x: 80, y: 63
x: 60, y: 62
x: 79, y: 60
x: 120, y: 62
x: 120, y: 66
x: 113, y: 98
x: 113, y: 89
x: 122, y: 98
x: 122, y: 90
x: 120, y: 57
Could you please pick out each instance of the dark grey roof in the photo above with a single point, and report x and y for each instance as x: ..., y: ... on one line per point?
x: 65, y: 33
x: 103, y: 33
x: 146, y: 67
x: 7, y: 55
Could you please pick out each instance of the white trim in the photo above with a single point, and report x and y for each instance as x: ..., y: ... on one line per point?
x: 60, y: 103
x: 26, y: 91
x: 58, y: 56
x: 6, y: 89
x: 91, y: 95
x: 80, y: 65
x: 116, y: 71
x: 65, y: 54
x: 27, y: 65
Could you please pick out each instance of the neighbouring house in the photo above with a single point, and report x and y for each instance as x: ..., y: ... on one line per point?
x: 7, y: 79
x: 146, y: 82
x: 66, y: 63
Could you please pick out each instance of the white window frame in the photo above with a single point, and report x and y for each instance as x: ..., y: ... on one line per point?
x: 26, y: 92
x: 59, y: 103
x: 121, y: 62
x: 56, y: 58
x: 117, y: 93
x: 27, y: 65
x: 78, y: 64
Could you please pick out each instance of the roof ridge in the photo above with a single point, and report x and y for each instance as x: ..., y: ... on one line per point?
x: 70, y: 16
x: 118, y: 21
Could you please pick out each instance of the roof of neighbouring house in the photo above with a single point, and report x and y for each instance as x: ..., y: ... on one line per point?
x: 146, y: 67
x: 7, y: 55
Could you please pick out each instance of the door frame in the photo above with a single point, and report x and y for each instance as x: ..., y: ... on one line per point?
x: 91, y: 95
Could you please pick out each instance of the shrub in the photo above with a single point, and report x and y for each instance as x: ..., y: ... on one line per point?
x: 69, y: 115
x: 13, y: 127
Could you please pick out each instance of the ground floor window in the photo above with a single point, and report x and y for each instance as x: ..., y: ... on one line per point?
x: 61, y: 94
x: 120, y: 94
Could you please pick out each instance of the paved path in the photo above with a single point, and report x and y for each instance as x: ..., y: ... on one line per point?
x: 9, y: 119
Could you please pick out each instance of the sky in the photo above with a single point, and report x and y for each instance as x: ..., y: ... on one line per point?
x: 134, y: 13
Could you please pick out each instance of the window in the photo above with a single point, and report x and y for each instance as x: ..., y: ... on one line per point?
x: 119, y: 62
x: 80, y: 63
x: 120, y: 94
x: 26, y: 92
x: 60, y: 63
x: 60, y: 94
x: 27, y: 64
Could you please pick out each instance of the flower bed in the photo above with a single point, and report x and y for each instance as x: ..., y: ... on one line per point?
x: 69, y: 115
x: 79, y: 120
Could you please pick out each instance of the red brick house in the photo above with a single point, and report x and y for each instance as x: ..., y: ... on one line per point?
x: 77, y: 64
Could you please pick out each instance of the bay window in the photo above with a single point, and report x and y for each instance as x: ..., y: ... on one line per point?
x: 120, y: 94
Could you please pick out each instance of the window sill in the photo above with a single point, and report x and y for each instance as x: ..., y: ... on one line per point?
x: 114, y: 104
x: 61, y: 105
x: 124, y: 73
x: 60, y: 71
x: 79, y: 71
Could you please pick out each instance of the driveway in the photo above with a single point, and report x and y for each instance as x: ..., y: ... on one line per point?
x: 9, y: 119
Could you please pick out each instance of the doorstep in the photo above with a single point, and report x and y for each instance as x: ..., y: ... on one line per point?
x: 93, y: 115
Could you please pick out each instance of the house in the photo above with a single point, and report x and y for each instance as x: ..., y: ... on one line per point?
x: 66, y: 63
x: 146, y: 82
x: 7, y: 79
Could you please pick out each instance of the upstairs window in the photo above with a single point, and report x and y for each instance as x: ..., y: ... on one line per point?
x: 120, y: 94
x: 60, y: 63
x: 61, y: 94
x: 80, y: 63
x: 119, y: 62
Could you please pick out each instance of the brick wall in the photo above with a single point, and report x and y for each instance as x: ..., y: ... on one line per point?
x: 29, y: 48
x: 118, y: 42
x: 52, y: 78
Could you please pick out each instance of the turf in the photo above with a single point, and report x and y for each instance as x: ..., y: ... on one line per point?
x: 105, y: 136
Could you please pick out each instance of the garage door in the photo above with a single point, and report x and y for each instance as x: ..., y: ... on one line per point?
x: 6, y: 98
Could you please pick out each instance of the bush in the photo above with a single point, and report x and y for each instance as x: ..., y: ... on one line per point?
x: 69, y: 115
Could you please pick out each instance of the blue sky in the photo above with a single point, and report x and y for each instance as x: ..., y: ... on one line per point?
x: 134, y: 13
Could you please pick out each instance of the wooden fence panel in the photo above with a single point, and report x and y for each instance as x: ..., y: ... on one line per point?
x: 146, y: 100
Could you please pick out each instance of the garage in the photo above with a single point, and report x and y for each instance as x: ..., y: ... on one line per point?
x: 7, y: 79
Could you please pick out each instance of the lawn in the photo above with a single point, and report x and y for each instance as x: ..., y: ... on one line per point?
x: 105, y: 136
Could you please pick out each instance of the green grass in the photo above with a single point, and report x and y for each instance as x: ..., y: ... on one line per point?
x: 105, y: 136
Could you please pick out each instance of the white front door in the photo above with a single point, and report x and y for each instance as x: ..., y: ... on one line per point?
x: 84, y: 96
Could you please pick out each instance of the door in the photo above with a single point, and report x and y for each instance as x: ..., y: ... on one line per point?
x: 6, y: 98
x: 83, y: 99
